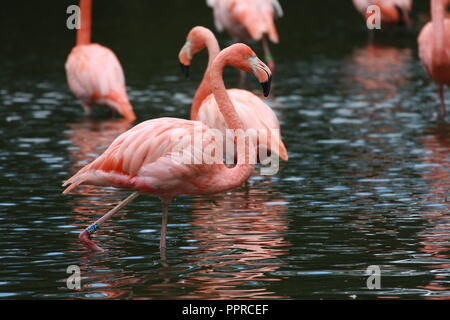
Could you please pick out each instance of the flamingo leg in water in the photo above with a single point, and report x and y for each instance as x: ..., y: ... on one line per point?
x: 442, y: 98
x: 267, y: 54
x: 85, y: 236
x: 162, y: 241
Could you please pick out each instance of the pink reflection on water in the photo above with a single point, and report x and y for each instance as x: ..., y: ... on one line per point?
x: 240, y: 240
x: 91, y: 138
x: 379, y: 69
x: 435, y: 238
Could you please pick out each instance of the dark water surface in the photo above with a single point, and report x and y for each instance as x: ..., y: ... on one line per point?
x: 366, y: 183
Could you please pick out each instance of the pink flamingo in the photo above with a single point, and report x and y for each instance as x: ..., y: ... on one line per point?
x: 253, y: 112
x: 434, y: 48
x: 393, y: 12
x: 94, y: 73
x: 147, y: 158
x: 249, y: 19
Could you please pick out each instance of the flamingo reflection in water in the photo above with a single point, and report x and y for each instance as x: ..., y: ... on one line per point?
x: 379, y: 70
x: 236, y: 241
x: 241, y: 240
x: 435, y: 238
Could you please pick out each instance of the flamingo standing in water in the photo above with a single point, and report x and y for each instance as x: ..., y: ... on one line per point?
x: 94, y: 73
x: 393, y: 12
x: 151, y: 158
x: 253, y: 112
x: 434, y: 48
x: 249, y: 19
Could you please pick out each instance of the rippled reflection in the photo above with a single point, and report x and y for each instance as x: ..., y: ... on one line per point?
x: 233, y: 246
x: 379, y: 70
x: 241, y: 239
x: 435, y: 238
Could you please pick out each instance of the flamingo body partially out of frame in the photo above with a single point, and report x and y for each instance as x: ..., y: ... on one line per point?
x: 393, y: 12
x: 249, y: 20
x: 434, y: 48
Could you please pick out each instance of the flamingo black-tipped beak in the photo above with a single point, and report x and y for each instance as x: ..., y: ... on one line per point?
x: 185, y: 70
x: 266, y: 86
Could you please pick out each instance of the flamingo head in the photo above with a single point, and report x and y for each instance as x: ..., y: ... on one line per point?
x: 243, y: 57
x: 195, y: 42
x: 262, y: 73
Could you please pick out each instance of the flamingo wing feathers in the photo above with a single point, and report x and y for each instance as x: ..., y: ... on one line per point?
x: 254, y: 114
x: 147, y: 158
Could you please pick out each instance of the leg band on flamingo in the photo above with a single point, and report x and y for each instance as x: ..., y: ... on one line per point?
x: 93, y: 228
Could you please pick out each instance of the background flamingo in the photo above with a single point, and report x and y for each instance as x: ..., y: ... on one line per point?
x: 147, y: 157
x: 249, y: 19
x: 258, y: 240
x: 253, y: 112
x: 393, y: 12
x: 94, y: 73
x: 434, y: 48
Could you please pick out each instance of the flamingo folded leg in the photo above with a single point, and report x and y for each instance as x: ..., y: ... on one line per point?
x: 85, y: 236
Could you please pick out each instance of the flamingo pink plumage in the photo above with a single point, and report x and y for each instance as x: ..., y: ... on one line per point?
x: 150, y: 158
x: 248, y: 19
x: 94, y: 73
x: 253, y: 112
x: 393, y: 12
x: 434, y: 48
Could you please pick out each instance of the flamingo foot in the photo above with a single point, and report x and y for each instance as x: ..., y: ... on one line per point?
x: 85, y: 239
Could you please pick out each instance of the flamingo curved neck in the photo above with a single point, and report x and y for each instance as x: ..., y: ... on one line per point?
x: 234, y: 177
x: 438, y: 18
x: 219, y: 91
x: 84, y: 33
x: 204, y: 89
